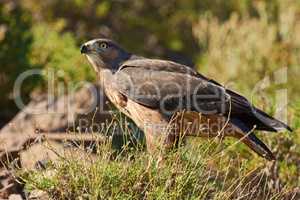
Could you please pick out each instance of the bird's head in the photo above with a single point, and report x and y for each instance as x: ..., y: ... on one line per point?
x: 104, y: 54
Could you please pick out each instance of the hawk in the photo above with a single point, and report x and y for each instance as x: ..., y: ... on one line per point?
x: 168, y: 100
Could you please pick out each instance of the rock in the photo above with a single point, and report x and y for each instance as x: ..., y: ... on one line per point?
x: 38, y: 195
x: 37, y: 155
x: 40, y: 152
x: 15, y: 197
x: 10, y: 147
x: 59, y: 114
x: 40, y: 147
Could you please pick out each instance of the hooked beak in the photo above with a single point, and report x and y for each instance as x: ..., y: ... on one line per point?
x: 84, y: 49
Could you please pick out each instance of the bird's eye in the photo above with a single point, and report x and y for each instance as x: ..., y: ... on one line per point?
x: 103, y: 45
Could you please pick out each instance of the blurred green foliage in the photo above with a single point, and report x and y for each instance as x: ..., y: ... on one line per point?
x: 249, y: 49
x: 233, y: 41
x: 15, y: 43
x: 215, y: 34
x: 58, y: 53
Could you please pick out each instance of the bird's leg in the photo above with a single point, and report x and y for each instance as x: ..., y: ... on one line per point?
x: 160, y: 139
x: 160, y: 136
x: 156, y: 127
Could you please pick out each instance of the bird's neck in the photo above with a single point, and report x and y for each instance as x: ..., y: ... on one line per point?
x: 117, y: 62
x: 105, y: 77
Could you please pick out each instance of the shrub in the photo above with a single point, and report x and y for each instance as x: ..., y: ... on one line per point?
x: 58, y: 53
x: 15, y: 44
x: 243, y: 50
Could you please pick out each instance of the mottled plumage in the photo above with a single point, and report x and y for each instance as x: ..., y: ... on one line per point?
x: 153, y: 91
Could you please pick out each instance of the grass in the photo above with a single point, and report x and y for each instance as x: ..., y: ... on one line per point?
x: 201, y: 169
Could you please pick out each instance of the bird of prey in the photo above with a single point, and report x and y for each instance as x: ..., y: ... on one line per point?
x: 168, y: 100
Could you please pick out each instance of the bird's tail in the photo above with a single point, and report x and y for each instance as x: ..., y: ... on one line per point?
x: 256, y: 145
x: 270, y: 123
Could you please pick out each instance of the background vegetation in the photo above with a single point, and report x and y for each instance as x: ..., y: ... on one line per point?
x: 232, y: 41
x: 236, y: 42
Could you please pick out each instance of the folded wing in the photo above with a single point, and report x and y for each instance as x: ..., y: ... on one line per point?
x: 172, y: 87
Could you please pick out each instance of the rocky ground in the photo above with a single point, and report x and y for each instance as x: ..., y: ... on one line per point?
x: 25, y: 141
x: 32, y: 139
